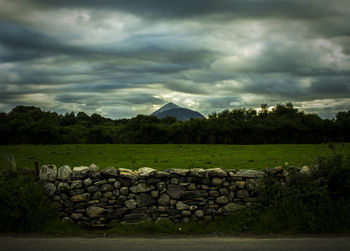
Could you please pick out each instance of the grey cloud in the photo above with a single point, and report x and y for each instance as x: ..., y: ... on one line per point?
x: 197, y: 8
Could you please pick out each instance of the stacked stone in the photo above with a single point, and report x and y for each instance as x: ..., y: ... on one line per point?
x: 97, y: 198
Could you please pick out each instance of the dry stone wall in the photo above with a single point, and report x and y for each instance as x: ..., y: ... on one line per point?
x: 100, y: 198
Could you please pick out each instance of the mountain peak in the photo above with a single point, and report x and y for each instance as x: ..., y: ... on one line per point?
x: 173, y: 110
x: 164, y: 108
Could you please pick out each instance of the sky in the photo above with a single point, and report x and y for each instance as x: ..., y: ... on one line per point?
x: 122, y: 58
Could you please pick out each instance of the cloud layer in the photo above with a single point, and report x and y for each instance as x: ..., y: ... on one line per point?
x: 123, y: 58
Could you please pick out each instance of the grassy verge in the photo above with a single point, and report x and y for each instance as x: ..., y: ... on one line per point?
x: 167, y: 156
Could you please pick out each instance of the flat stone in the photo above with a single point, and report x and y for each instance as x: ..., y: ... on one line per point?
x: 146, y: 172
x: 48, y: 173
x: 190, y: 195
x: 76, y: 191
x: 181, y: 172
x: 162, y: 174
x: 76, y: 184
x: 87, y: 182
x: 214, y: 193
x: 100, y: 182
x: 182, y: 206
x: 49, y: 188
x: 230, y: 207
x: 175, y: 191
x: 144, y: 200
x: 80, y: 172
x: 217, y: 172
x: 80, y: 197
x: 133, y: 218
x: 130, y: 204
x: 110, y: 172
x: 64, y: 173
x: 222, y: 200
x: 127, y: 173
x: 95, y: 212
x: 141, y: 188
x: 216, y: 181
x: 92, y: 189
x: 245, y: 173
x: 164, y: 200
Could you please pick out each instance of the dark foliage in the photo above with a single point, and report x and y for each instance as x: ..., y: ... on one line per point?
x: 24, y: 206
x: 284, y: 124
x: 318, y: 201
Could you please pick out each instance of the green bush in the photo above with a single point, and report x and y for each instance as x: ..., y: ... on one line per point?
x: 23, y: 204
x: 317, y: 201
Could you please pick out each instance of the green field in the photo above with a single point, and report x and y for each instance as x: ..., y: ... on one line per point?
x: 162, y: 157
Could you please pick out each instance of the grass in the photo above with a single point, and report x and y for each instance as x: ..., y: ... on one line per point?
x: 166, y: 156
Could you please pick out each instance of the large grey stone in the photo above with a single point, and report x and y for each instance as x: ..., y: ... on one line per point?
x: 110, y: 172
x: 95, y: 212
x: 76, y: 184
x: 64, y: 173
x: 106, y: 188
x: 230, y: 207
x: 222, y: 200
x: 62, y: 187
x: 198, y: 172
x: 48, y: 173
x: 217, y: 172
x: 92, y: 189
x: 164, y: 200
x: 130, y: 204
x: 87, y: 182
x: 144, y: 200
x: 146, y: 172
x: 80, y: 172
x: 141, y: 188
x: 182, y: 206
x: 216, y: 181
x: 80, y: 197
x: 175, y: 191
x: 94, y: 171
x: 245, y: 173
x: 49, y: 188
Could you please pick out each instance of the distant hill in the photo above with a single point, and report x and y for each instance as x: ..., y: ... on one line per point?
x: 172, y: 110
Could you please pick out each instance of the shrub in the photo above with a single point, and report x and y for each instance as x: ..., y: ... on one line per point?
x: 24, y: 206
x: 318, y: 201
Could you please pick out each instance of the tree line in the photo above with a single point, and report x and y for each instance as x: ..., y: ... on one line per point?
x: 283, y: 124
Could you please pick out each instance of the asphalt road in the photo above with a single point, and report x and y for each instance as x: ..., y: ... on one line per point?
x: 170, y: 244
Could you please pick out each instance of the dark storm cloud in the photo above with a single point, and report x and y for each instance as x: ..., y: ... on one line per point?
x: 196, y: 8
x: 122, y: 57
